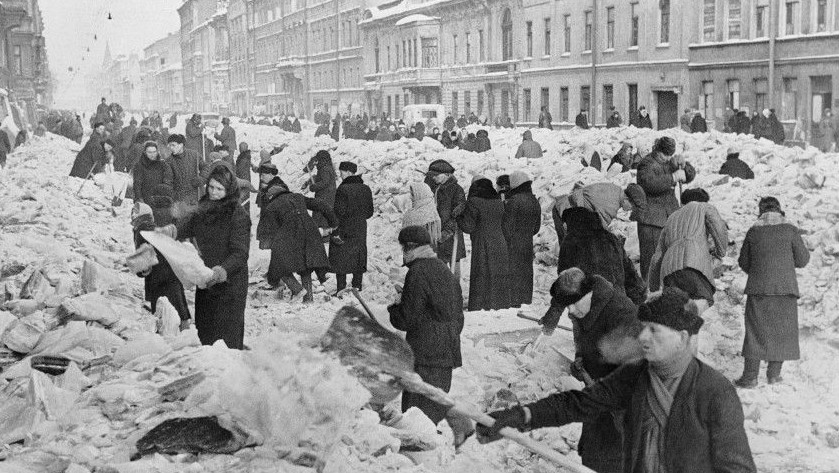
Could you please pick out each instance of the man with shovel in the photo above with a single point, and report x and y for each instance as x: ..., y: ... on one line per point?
x: 681, y: 415
x: 599, y: 314
x: 431, y: 313
x: 451, y: 201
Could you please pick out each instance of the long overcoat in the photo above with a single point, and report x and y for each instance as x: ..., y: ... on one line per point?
x: 522, y: 220
x: 489, y: 276
x: 451, y: 200
x: 92, y: 153
x: 353, y: 206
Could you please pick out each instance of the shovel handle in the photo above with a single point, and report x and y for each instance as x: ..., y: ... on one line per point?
x: 363, y: 303
x: 414, y: 383
x: 522, y: 315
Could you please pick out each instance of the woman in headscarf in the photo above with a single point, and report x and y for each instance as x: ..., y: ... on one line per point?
x: 221, y: 229
x: 483, y: 220
x: 771, y: 251
x: 323, y: 184
x: 423, y: 212
x: 522, y: 221
x: 153, y: 183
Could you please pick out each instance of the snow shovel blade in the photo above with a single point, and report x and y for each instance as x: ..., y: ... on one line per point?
x: 377, y: 357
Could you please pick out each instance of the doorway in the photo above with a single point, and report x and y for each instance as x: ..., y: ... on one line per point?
x: 822, y: 97
x: 668, y: 109
x: 505, y: 103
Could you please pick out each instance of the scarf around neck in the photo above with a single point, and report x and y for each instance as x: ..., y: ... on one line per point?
x: 420, y: 252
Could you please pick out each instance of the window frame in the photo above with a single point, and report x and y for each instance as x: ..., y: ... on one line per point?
x: 664, y: 26
x: 547, y: 37
x: 610, y: 28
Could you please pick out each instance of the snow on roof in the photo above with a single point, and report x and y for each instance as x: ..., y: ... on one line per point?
x: 391, y: 9
x: 416, y: 18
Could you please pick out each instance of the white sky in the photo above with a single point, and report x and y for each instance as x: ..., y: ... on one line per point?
x: 70, y: 26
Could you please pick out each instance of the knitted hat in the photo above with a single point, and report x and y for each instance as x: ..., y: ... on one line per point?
x: 414, y: 235
x: 268, y: 168
x: 518, y: 178
x: 440, y: 166
x: 673, y: 310
x: 348, y: 166
x: 140, y: 209
x: 769, y: 204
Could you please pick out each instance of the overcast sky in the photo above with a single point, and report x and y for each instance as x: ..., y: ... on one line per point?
x: 70, y: 26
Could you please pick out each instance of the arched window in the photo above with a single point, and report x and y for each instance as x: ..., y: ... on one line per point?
x: 506, y: 35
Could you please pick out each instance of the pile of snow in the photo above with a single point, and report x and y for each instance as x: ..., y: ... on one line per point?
x: 62, y: 255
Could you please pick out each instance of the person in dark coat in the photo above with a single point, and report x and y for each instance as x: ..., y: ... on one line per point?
x: 451, y: 201
x: 735, y: 167
x: 194, y: 135
x: 295, y: 126
x: 482, y: 219
x: 774, y: 130
x: 90, y: 159
x: 642, y: 119
x: 187, y: 169
x: 221, y: 230
x: 159, y: 280
x: 522, y: 221
x: 614, y: 119
x: 336, y: 128
x: 243, y: 162
x: 296, y: 243
x: 658, y: 175
x: 680, y: 414
x: 698, y: 124
x: 227, y: 137
x: 502, y: 184
x: 348, y: 245
x: 733, y: 123
x: 173, y: 120
x: 598, y: 311
x: 323, y: 129
x: 448, y: 123
x: 581, y: 121
x: 124, y: 141
x: 153, y: 184
x: 270, y: 186
x: 756, y: 124
x: 545, y: 119
x: 743, y: 123
x: 323, y: 184
x: 430, y: 312
x: 624, y: 159
x: 771, y: 251
x: 482, y: 143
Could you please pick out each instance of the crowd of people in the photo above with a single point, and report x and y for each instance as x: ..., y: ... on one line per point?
x: 648, y: 403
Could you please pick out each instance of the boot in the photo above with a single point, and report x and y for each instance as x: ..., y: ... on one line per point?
x: 751, y: 367
x: 773, y: 372
x: 307, y: 286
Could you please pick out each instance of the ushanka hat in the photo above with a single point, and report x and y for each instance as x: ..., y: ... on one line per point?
x: 414, y: 235
x: 348, y: 166
x: 672, y: 309
x: 268, y: 168
x: 571, y: 286
x: 440, y: 166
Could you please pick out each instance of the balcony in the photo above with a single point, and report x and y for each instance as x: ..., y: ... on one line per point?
x: 406, y: 77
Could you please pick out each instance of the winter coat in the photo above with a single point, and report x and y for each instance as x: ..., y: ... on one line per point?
x: 222, y: 236
x: 103, y: 113
x: 448, y: 123
x: 153, y: 185
x: 655, y: 176
x: 643, y: 121
x: 296, y: 244
x: 489, y: 278
x: 126, y: 137
x: 704, y: 431
x: 770, y: 253
x: 323, y: 185
x: 228, y: 138
x: 162, y: 282
x: 735, y: 167
x: 353, y: 206
x: 266, y: 227
x: 684, y: 243
x: 546, y: 120
x: 461, y: 122
x: 243, y: 165
x: 431, y: 313
x: 482, y: 143
x: 698, y: 124
x: 776, y: 130
x: 295, y: 126
x: 451, y: 201
x: 581, y: 121
x: 597, y: 251
x: 594, y: 161
x: 522, y: 221
x: 614, y: 121
x: 90, y: 155
x: 685, y: 122
x: 187, y: 168
x: 529, y: 149
x: 743, y: 123
x: 323, y: 129
x: 193, y: 137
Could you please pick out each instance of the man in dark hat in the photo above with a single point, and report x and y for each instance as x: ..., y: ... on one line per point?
x: 430, y: 312
x: 451, y: 201
x: 187, y: 167
x: 599, y: 313
x: 348, y: 244
x: 681, y: 415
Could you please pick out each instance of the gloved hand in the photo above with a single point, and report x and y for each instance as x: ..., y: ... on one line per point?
x: 513, y: 417
x: 550, y: 320
x: 678, y: 160
x: 679, y: 176
x: 219, y: 276
x: 577, y: 370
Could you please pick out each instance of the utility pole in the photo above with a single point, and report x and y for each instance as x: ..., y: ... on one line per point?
x: 592, y: 107
x: 338, y: 52
x: 248, y: 68
x: 773, y: 33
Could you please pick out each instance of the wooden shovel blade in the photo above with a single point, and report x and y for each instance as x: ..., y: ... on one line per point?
x: 377, y: 357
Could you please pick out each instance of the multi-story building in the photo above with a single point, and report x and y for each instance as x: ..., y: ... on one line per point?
x: 757, y: 54
x: 307, y: 56
x: 161, y: 75
x: 122, y: 81
x: 241, y: 54
x: 23, y: 65
x: 205, y: 55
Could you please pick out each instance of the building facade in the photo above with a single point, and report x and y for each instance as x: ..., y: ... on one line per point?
x: 757, y: 54
x: 161, y: 75
x: 122, y: 81
x: 24, y: 69
x: 205, y: 55
x: 241, y: 55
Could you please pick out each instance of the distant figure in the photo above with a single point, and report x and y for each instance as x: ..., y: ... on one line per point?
x: 528, y: 148
x: 227, y: 135
x: 698, y: 124
x: 643, y: 120
x: 545, y: 119
x: 735, y: 167
x: 614, y: 119
x: 582, y: 120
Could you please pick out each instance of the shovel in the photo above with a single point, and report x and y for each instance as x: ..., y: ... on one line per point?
x: 384, y: 364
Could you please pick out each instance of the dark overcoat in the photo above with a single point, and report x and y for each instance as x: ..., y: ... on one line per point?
x: 736, y: 167
x: 162, y: 282
x: 222, y: 233
x: 489, y: 277
x: 187, y: 168
x: 324, y: 187
x: 522, y: 220
x: 92, y: 153
x: 451, y: 201
x: 353, y: 206
x: 704, y: 431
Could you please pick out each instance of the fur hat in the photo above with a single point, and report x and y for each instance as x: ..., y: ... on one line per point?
x: 674, y: 309
x: 518, y: 178
x: 440, y: 166
x: 571, y: 286
x: 695, y: 195
x: 348, y: 166
x: 268, y: 168
x: 665, y: 145
x: 769, y: 204
x: 414, y: 236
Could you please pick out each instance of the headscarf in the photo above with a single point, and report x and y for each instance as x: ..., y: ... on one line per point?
x: 423, y: 211
x: 483, y: 188
x: 603, y: 198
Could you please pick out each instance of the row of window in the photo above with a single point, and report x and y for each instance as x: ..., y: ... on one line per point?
x: 791, y: 16
x: 565, y: 103
x: 760, y: 92
x: 425, y: 52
